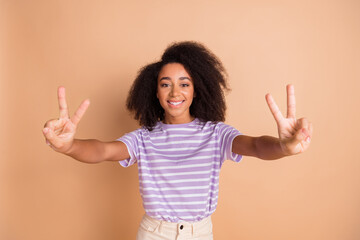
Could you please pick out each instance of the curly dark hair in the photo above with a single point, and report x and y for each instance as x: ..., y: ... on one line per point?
x: 209, y: 79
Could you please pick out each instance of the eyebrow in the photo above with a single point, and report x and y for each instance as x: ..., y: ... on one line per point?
x: 181, y: 78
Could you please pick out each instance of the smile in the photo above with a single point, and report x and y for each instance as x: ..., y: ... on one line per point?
x: 173, y: 103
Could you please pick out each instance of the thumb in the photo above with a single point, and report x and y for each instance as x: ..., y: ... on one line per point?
x: 51, y: 138
x: 293, y: 144
x: 299, y: 136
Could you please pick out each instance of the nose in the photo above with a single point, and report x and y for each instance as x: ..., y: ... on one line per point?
x: 175, y: 91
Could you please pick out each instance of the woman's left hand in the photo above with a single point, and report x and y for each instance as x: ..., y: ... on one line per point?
x: 294, y: 134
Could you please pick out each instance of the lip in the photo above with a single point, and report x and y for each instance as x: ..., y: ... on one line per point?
x: 178, y: 103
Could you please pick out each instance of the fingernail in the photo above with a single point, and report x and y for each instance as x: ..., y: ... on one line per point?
x: 45, y: 130
x: 308, y: 139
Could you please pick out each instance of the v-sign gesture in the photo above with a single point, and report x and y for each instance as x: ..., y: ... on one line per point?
x: 59, y: 133
x: 294, y: 134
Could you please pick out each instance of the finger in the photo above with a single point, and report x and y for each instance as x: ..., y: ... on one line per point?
x: 51, y: 138
x: 51, y: 124
x: 80, y: 111
x: 64, y: 112
x: 48, y: 143
x: 291, y: 103
x: 306, y: 129
x: 56, y: 124
x: 274, y: 108
x: 302, y: 123
x: 298, y: 138
x: 311, y: 129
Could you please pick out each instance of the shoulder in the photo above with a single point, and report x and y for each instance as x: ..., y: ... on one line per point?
x: 223, y: 129
x: 217, y: 126
x: 145, y: 131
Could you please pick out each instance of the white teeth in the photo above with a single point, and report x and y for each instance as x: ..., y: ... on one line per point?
x: 175, y: 103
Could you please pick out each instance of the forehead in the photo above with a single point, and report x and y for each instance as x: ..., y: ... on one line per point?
x: 174, y: 70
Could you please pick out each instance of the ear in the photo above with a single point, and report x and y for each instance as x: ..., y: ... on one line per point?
x: 157, y: 95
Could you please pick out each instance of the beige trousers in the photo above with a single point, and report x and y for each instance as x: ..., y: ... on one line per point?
x: 153, y: 229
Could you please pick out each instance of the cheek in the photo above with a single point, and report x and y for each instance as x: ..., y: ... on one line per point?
x: 160, y: 93
x: 161, y: 96
x: 189, y: 94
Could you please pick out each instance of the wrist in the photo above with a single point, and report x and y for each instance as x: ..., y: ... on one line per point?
x: 71, y: 148
x: 283, y: 148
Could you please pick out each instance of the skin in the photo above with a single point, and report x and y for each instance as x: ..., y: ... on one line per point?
x: 294, y: 134
x: 175, y: 92
x: 59, y: 134
x: 175, y: 86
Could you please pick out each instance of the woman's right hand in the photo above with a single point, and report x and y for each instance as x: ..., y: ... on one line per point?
x: 59, y: 133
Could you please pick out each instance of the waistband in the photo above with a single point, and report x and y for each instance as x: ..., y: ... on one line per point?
x: 180, y: 226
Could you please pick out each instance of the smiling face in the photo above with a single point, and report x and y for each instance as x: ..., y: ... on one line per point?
x: 175, y: 92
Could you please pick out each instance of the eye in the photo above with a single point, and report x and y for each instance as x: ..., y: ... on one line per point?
x: 164, y: 85
x: 185, y: 85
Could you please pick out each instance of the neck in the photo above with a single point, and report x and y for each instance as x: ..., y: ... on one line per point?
x: 171, y: 120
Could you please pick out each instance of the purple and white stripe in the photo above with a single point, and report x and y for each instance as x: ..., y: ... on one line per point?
x: 179, y: 167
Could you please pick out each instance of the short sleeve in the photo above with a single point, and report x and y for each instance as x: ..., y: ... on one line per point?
x: 226, y: 136
x: 131, y: 141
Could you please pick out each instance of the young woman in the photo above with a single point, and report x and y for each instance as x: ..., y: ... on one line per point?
x: 183, y: 142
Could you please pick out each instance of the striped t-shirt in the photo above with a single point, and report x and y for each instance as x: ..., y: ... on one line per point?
x: 179, y: 165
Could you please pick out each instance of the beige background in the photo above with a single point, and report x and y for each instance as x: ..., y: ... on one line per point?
x: 95, y: 48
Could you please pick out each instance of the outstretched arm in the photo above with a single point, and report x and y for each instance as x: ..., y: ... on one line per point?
x: 59, y: 134
x: 294, y: 134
